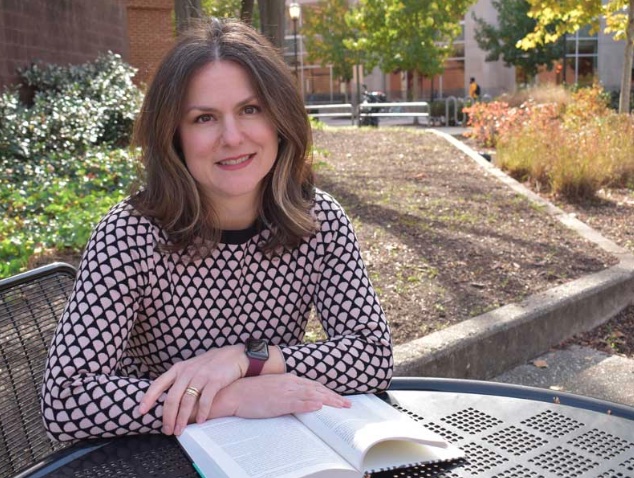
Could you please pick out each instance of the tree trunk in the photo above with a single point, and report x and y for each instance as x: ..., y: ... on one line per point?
x: 626, y: 79
x: 272, y: 21
x: 246, y: 11
x: 415, y: 85
x: 185, y: 11
x: 415, y: 90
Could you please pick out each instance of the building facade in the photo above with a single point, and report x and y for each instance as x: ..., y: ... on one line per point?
x: 76, y: 31
x: 588, y: 57
x: 59, y: 32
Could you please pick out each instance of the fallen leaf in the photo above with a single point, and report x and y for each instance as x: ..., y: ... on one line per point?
x: 540, y: 363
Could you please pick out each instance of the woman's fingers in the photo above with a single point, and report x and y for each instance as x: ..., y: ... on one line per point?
x: 189, y: 402
x: 274, y: 395
x: 205, y: 402
x: 174, y: 401
x: 206, y: 373
x: 315, y: 391
x: 160, y: 385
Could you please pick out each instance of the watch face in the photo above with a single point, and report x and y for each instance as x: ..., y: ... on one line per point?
x: 257, y: 349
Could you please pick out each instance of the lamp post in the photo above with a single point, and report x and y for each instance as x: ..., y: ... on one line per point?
x: 294, y: 11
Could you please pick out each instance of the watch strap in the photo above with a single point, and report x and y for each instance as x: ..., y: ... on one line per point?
x: 255, y: 367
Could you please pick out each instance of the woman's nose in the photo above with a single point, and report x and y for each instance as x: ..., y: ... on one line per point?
x: 231, y: 132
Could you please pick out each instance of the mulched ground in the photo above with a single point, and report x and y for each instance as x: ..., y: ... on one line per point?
x: 444, y: 241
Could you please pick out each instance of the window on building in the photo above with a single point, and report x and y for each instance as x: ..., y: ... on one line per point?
x: 582, y: 49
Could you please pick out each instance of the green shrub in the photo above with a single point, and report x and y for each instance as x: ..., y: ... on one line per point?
x: 70, y: 108
x: 438, y: 109
x: 53, y: 203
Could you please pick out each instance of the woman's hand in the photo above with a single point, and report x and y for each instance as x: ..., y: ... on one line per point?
x: 208, y: 373
x: 273, y: 395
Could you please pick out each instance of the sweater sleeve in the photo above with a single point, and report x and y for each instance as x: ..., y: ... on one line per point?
x: 83, y: 394
x: 357, y: 356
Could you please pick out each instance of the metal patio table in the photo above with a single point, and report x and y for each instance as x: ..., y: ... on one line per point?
x: 506, y: 431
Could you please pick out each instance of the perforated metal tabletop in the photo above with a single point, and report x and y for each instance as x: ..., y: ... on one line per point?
x: 507, y: 437
x: 542, y: 435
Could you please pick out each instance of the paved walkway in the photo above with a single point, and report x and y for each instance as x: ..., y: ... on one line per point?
x: 580, y: 370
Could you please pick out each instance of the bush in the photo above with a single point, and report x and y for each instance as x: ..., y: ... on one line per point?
x: 485, y: 119
x: 542, y: 94
x: 54, y: 202
x: 573, y: 154
x: 69, y: 108
x: 587, y: 105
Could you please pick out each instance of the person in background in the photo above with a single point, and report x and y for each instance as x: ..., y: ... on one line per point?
x: 474, y: 89
x: 193, y: 294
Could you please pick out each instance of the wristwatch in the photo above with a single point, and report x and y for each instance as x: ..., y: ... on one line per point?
x: 257, y: 351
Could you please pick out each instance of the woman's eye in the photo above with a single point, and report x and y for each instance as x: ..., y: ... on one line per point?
x: 251, y: 109
x: 203, y: 118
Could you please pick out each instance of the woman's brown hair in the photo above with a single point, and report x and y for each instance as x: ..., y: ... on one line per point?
x: 170, y: 195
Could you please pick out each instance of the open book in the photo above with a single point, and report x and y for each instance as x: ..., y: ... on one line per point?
x: 371, y: 436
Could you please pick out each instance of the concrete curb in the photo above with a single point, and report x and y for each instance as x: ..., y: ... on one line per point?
x: 489, y: 344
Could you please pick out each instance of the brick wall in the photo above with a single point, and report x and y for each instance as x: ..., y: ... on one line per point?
x: 59, y: 31
x: 150, y: 34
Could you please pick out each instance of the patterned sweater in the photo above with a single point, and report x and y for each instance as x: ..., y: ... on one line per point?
x: 136, y: 310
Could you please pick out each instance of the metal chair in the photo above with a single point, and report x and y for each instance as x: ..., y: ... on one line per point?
x: 30, y: 306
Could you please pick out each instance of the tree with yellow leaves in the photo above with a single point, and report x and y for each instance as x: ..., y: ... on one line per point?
x: 568, y: 16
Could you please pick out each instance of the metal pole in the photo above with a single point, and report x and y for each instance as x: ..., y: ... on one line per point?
x: 358, y: 94
x: 564, y: 57
x: 295, y: 47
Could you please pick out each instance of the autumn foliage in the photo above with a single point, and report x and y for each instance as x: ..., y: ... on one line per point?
x: 571, y: 149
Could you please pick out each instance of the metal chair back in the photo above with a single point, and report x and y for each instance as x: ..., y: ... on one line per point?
x: 30, y: 306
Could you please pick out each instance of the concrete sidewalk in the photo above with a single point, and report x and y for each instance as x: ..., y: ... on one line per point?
x: 502, y: 344
x: 580, y: 370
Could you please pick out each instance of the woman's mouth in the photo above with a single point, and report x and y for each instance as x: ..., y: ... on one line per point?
x: 233, y: 162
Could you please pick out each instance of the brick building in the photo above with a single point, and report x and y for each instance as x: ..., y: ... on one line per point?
x: 150, y: 34
x: 76, y: 31
x: 63, y: 32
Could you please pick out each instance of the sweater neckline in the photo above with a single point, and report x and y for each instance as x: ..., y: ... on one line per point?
x: 239, y: 236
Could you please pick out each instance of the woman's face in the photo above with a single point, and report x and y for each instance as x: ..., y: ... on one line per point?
x: 228, y: 140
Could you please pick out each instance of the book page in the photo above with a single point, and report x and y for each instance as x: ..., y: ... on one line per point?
x: 353, y: 431
x: 261, y: 448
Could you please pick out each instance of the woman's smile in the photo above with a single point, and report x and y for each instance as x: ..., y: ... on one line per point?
x: 236, y: 163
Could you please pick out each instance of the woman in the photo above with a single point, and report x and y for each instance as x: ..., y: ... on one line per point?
x: 193, y: 294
